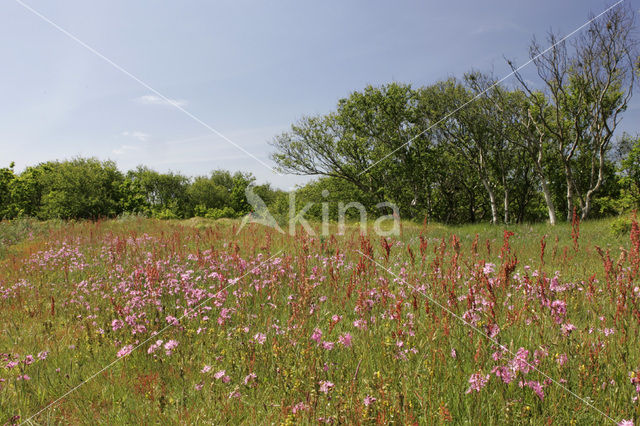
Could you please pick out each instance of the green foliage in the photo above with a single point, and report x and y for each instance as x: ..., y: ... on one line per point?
x: 620, y: 226
x: 220, y: 213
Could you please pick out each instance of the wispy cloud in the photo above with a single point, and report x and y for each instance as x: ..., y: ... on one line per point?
x: 157, y: 100
x: 141, y: 136
x: 124, y: 149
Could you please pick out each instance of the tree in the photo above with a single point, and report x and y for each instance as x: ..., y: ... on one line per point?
x: 587, y: 91
x: 6, y: 179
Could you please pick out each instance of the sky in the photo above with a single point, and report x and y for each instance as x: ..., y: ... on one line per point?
x: 195, y: 86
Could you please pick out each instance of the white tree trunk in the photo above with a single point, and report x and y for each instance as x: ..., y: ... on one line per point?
x: 492, y: 200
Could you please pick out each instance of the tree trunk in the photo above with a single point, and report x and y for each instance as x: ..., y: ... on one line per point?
x: 569, y: 196
x: 549, y: 201
x: 492, y: 200
x: 506, y: 205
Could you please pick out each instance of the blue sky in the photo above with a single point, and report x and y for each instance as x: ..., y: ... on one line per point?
x: 247, y: 69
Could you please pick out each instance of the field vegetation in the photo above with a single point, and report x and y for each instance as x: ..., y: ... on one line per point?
x: 192, y: 321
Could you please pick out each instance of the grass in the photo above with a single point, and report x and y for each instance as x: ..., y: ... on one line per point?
x: 314, y: 330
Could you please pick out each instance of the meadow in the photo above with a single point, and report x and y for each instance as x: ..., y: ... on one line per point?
x: 146, y: 321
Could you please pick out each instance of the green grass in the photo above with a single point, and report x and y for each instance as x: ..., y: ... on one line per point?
x: 63, y: 286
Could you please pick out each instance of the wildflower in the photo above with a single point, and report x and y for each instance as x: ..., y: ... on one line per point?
x: 536, y: 386
x: 260, y: 338
x: 345, y: 340
x: 205, y: 369
x: 154, y: 346
x: 368, y: 400
x: 567, y: 328
x: 608, y: 331
x: 25, y: 377
x: 505, y: 373
x: 199, y: 386
x: 317, y: 335
x: 126, y: 350
x: 561, y: 359
x: 220, y: 374
x: 172, y: 320
x: 235, y: 394
x: 300, y: 406
x: 336, y: 318
x: 327, y: 345
x: 493, y: 330
x: 226, y: 379
x: 625, y: 423
x: 12, y: 364
x: 520, y: 362
x: 454, y: 354
x: 360, y: 323
x: 249, y: 378
x: 116, y: 324
x: 477, y: 381
x: 43, y: 355
x: 538, y: 354
x: 488, y: 268
x: 28, y: 360
x: 325, y: 386
x: 170, y: 346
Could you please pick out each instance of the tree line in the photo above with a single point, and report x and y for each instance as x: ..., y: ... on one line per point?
x: 474, y: 149
x: 87, y: 188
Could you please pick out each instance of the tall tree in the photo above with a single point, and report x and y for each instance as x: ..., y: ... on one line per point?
x: 588, y: 88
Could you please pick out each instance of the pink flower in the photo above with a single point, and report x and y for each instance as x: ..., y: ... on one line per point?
x: 368, y: 400
x: 226, y: 379
x: 520, y: 363
x: 325, y: 386
x: 317, y: 335
x: 537, y: 388
x: 300, y: 406
x: 562, y: 359
x: 172, y: 320
x: 170, y: 346
x: 25, y: 377
x: 154, y: 346
x: 626, y: 423
x: 220, y: 374
x: 199, y: 386
x: 249, y: 378
x: 126, y: 350
x: 345, y: 340
x: 12, y: 364
x: 477, y: 381
x: 488, y: 268
x: 454, y: 354
x: 505, y: 373
x: 116, y: 324
x: 567, y: 328
x: 260, y: 338
x: 205, y: 369
x: 327, y: 345
x: 360, y: 323
x: 493, y: 330
x: 43, y: 355
x: 28, y: 360
x: 538, y: 354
